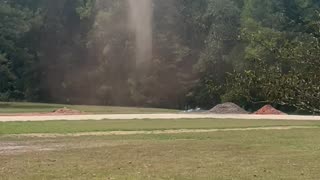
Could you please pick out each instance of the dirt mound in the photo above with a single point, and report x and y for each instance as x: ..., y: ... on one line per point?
x: 228, y: 108
x: 269, y: 110
x: 66, y: 111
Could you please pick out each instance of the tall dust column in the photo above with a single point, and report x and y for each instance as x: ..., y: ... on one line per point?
x: 140, y: 22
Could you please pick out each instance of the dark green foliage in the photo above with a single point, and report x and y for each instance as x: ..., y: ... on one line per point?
x: 282, y: 57
x: 16, y: 58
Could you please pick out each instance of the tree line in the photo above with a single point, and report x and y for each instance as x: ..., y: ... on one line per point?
x: 251, y: 52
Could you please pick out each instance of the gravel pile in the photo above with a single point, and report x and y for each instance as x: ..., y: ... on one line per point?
x: 228, y: 108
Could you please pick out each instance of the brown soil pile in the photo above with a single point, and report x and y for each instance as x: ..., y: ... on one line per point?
x: 228, y: 108
x: 269, y: 110
x: 66, y: 111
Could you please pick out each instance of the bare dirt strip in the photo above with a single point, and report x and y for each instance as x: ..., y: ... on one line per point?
x: 173, y: 131
x: 9, y: 148
x: 156, y: 116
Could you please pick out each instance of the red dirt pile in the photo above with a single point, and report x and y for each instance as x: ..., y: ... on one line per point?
x: 269, y: 110
x: 66, y: 111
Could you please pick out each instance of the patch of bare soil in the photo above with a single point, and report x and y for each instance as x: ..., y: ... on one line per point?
x: 67, y: 111
x: 16, y: 148
x: 269, y: 110
x: 228, y: 108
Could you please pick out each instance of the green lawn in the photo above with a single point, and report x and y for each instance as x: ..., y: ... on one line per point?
x: 292, y: 154
x: 134, y: 125
x: 260, y: 154
x: 11, y: 107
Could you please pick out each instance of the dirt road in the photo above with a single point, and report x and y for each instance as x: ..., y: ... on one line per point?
x: 155, y: 116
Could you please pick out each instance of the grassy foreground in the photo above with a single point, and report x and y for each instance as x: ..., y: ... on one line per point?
x: 6, y: 107
x: 264, y: 155
x: 136, y: 125
x: 292, y: 154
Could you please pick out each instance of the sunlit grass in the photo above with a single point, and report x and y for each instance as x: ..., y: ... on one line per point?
x: 134, y: 125
x: 261, y: 154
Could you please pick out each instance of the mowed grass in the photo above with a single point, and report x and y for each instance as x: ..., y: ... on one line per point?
x: 136, y: 125
x: 16, y: 107
x: 243, y: 155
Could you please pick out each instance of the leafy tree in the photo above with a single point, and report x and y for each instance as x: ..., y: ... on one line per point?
x: 16, y: 58
x: 221, y: 52
x: 282, y: 57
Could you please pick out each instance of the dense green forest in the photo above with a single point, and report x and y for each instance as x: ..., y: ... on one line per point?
x: 251, y: 52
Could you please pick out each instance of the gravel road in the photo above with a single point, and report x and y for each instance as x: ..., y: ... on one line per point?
x: 155, y: 116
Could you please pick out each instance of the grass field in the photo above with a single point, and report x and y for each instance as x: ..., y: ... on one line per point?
x: 11, y: 107
x: 255, y: 154
x: 136, y: 125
